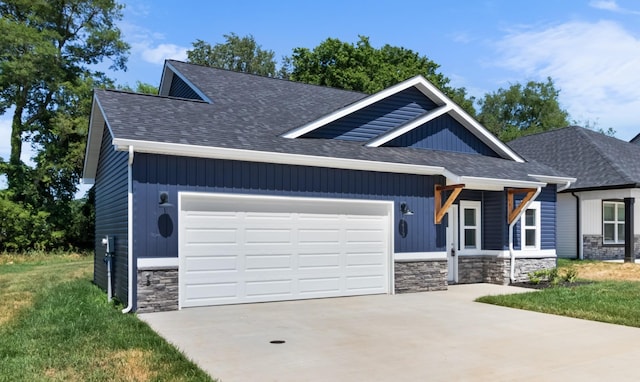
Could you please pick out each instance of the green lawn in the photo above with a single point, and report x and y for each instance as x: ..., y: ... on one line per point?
x: 615, y: 300
x: 55, y: 325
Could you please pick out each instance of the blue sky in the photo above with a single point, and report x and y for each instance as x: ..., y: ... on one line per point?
x: 590, y: 48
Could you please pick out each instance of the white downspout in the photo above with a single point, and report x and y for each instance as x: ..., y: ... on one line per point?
x: 129, y: 231
x: 512, y: 255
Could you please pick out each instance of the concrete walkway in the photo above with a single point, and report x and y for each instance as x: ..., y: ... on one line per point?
x: 434, y: 336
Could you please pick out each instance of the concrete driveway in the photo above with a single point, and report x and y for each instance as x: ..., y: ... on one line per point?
x: 434, y: 336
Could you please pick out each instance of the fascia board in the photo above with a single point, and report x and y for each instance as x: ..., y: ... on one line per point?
x: 274, y: 157
x: 553, y: 179
x: 302, y: 130
x: 485, y: 183
x: 165, y: 80
x: 94, y: 141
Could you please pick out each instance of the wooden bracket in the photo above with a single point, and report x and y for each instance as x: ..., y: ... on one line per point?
x: 441, y: 209
x: 512, y: 213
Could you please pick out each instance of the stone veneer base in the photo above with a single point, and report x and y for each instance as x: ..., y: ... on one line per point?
x: 594, y: 249
x: 496, y: 270
x: 420, y: 276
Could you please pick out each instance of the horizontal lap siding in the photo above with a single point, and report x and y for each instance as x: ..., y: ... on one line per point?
x: 377, y: 119
x: 443, y: 133
x: 156, y: 173
x: 111, y: 216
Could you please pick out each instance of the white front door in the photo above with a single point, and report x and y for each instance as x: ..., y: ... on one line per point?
x: 452, y: 244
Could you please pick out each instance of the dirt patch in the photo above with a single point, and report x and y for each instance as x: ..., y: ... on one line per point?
x: 602, y: 271
x: 134, y: 361
x: 12, y: 303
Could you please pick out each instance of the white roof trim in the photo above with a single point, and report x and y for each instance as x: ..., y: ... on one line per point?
x: 553, y: 179
x: 497, y: 184
x: 302, y: 130
x: 274, y: 157
x: 390, y: 135
x: 94, y: 141
x: 431, y: 92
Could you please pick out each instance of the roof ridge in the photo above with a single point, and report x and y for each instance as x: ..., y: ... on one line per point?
x: 586, y: 133
x: 152, y: 95
x: 267, y: 77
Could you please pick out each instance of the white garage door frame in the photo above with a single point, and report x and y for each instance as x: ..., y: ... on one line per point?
x: 228, y: 203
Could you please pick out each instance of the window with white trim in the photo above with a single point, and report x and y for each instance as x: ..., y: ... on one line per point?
x: 530, y: 227
x: 469, y: 225
x: 613, y: 222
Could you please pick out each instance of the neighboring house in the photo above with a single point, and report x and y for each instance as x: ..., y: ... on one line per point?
x: 232, y: 188
x: 591, y: 212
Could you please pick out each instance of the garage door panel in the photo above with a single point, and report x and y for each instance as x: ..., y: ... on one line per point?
x: 320, y: 285
x: 276, y: 261
x: 281, y: 251
x: 212, y: 263
x: 269, y: 288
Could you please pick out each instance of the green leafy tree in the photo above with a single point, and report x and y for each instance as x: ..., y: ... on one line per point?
x: 361, y: 67
x: 45, y: 45
x: 141, y: 87
x: 522, y: 110
x: 241, y: 54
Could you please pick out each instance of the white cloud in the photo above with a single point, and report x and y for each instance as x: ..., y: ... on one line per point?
x: 612, y: 6
x: 593, y: 64
x: 161, y: 52
x: 149, y: 45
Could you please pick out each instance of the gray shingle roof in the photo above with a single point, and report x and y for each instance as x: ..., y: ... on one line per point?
x: 596, y: 160
x: 256, y: 100
x: 224, y: 124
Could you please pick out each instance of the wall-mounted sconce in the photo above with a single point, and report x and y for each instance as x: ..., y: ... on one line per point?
x: 164, y: 200
x: 404, y: 208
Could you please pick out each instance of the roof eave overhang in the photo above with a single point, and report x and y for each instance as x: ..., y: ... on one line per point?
x: 164, y: 148
x: 603, y: 188
x: 494, y: 184
x: 97, y: 122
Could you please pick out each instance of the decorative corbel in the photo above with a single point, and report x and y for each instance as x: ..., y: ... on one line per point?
x: 512, y: 211
x: 441, y: 209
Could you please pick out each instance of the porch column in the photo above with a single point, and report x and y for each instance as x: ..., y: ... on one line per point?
x: 629, y: 256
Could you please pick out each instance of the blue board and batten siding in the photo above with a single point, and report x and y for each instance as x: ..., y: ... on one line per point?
x: 443, y: 133
x: 156, y: 231
x: 376, y: 119
x: 547, y: 199
x: 180, y: 89
x: 111, y: 216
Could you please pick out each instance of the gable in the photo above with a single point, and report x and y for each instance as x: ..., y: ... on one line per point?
x: 443, y: 133
x: 378, y: 118
x: 180, y: 89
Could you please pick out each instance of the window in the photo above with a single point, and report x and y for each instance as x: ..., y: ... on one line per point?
x: 470, y: 219
x: 530, y: 227
x: 613, y: 222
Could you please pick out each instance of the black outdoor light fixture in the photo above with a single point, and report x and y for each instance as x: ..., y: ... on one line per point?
x: 404, y: 208
x: 164, y: 200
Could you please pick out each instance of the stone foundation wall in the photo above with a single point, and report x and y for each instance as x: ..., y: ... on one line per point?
x: 593, y: 249
x: 496, y: 270
x: 420, y: 276
x: 157, y: 290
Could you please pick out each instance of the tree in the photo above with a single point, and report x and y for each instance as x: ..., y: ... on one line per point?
x: 522, y: 110
x: 45, y: 46
x: 363, y: 68
x: 141, y: 87
x: 241, y: 54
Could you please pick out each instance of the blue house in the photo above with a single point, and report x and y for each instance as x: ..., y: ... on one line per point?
x: 235, y: 188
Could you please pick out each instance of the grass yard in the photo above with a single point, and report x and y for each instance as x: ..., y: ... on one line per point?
x: 55, y: 325
x: 613, y: 297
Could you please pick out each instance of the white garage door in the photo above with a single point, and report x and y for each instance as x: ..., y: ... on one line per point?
x: 240, y: 249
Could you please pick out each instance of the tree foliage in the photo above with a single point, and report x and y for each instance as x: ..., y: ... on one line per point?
x: 45, y: 45
x: 361, y: 67
x: 241, y: 54
x: 48, y: 50
x: 522, y: 110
